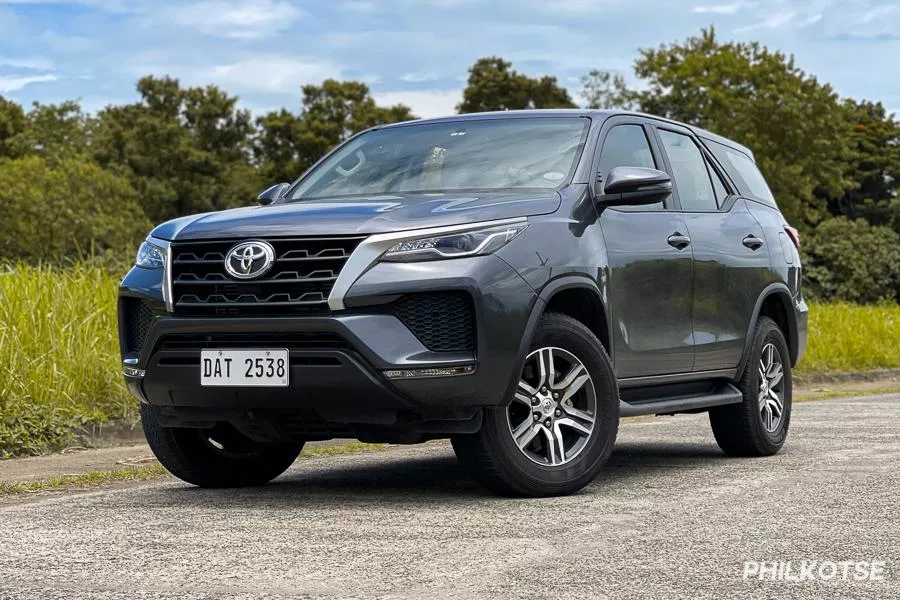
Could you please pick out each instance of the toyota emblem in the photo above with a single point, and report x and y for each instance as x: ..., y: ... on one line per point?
x: 248, y: 260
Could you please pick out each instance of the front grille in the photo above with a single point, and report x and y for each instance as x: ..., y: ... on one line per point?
x: 291, y: 341
x: 442, y: 321
x: 299, y: 282
x: 138, y: 317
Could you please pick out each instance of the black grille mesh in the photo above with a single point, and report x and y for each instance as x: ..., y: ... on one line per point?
x: 138, y: 317
x: 299, y: 282
x: 442, y: 321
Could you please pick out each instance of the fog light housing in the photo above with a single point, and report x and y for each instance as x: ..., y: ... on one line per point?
x: 129, y: 368
x: 429, y: 372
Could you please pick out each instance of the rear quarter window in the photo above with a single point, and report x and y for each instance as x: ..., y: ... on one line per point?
x: 743, y: 171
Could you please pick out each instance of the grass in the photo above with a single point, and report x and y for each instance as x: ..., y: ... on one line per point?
x: 59, y: 360
x: 154, y: 471
x: 93, y: 479
x: 847, y: 337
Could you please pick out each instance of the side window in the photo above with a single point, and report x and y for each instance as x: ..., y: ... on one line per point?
x: 695, y: 189
x: 625, y: 146
x: 743, y: 171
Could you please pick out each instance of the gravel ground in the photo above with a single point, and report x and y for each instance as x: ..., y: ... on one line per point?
x: 670, y: 517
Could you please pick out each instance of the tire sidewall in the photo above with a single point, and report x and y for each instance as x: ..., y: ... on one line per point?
x: 768, y: 333
x: 575, y: 338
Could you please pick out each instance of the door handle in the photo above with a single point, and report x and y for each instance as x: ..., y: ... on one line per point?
x: 753, y: 242
x: 679, y: 241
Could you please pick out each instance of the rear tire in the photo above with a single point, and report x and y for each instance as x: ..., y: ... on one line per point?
x: 758, y: 426
x: 220, y: 457
x: 559, y: 429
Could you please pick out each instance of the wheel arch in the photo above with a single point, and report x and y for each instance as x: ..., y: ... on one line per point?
x: 774, y: 302
x: 577, y: 296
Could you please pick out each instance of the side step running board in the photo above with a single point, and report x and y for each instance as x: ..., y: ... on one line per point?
x: 725, y: 394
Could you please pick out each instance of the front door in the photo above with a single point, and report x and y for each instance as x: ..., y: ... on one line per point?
x: 650, y: 269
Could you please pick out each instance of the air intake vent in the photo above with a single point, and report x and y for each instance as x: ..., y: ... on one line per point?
x: 442, y: 321
x: 138, y: 317
x: 299, y: 282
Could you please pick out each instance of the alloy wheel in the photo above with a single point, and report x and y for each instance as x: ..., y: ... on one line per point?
x: 555, y: 407
x: 771, y: 388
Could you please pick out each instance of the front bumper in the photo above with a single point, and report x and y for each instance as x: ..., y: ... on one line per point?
x: 349, y: 378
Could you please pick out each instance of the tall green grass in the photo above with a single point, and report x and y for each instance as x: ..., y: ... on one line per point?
x: 59, y: 364
x: 848, y: 337
x: 59, y: 361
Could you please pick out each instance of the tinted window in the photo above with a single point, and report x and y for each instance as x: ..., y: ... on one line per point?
x: 692, y: 180
x: 539, y: 153
x: 743, y: 170
x: 625, y: 146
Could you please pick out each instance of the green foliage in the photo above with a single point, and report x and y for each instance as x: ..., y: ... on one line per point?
x: 58, y: 210
x: 184, y: 150
x: 760, y: 98
x: 852, y: 261
x: 59, y: 361
x: 494, y: 85
x: 288, y: 144
x: 12, y: 123
x: 851, y: 338
x: 874, y: 165
x: 605, y: 90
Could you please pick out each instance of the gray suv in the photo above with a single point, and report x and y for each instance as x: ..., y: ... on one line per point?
x: 515, y: 282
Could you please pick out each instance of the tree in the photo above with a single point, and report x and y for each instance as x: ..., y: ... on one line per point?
x: 852, y: 261
x: 494, y: 85
x: 605, y: 90
x: 288, y: 144
x: 794, y: 124
x: 54, y: 131
x: 873, y: 166
x: 63, y: 209
x: 12, y: 123
x: 185, y: 150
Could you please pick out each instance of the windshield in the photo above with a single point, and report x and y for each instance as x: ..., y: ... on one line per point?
x: 491, y: 154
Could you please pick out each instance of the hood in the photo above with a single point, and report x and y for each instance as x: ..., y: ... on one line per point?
x: 359, y: 215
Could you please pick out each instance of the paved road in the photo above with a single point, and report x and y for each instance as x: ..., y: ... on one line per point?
x: 669, y: 518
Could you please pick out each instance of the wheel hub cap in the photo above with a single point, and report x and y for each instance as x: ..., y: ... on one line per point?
x: 553, y: 414
x: 771, y: 388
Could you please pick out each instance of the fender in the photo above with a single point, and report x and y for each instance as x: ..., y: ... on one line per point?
x: 782, y: 290
x: 547, y: 292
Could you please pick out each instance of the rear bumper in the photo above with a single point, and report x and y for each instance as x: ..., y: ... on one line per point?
x: 346, y: 379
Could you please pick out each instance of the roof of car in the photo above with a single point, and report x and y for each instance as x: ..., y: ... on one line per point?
x: 573, y: 112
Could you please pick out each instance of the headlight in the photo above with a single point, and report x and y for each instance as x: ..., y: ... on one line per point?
x: 149, y: 257
x: 454, y: 245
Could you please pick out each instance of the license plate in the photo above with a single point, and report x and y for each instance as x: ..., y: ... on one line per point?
x: 244, y: 368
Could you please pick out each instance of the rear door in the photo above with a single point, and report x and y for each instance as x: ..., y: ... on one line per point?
x: 731, y: 256
x: 650, y: 264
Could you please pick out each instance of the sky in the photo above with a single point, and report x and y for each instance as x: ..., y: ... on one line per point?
x: 412, y: 51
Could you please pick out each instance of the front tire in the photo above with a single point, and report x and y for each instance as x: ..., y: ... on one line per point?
x: 559, y: 428
x: 220, y: 457
x: 758, y: 426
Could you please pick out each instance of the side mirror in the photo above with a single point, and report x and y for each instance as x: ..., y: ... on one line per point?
x: 635, y: 186
x: 272, y: 194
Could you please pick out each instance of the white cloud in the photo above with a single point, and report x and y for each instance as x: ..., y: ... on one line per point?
x: 12, y: 84
x: 720, y: 9
x: 269, y: 74
x: 424, y: 103
x: 773, y: 22
x: 418, y: 77
x: 29, y: 64
x: 876, y: 13
x: 238, y: 19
